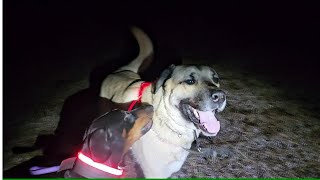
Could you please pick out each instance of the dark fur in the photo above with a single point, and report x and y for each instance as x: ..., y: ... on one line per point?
x: 109, y: 137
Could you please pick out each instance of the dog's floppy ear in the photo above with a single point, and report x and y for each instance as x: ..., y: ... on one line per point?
x: 99, y: 146
x: 165, y: 75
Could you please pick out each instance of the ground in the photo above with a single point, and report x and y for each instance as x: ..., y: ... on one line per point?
x: 265, y: 132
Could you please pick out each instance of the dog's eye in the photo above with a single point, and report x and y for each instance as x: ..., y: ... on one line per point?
x: 190, y: 81
x: 130, y: 118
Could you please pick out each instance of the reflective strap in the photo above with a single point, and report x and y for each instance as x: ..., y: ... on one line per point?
x: 143, y: 86
x: 99, y: 166
x: 36, y: 170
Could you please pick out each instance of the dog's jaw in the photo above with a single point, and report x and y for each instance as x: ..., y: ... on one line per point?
x: 203, y: 120
x: 163, y: 146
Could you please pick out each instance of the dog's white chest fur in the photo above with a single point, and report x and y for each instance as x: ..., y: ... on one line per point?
x: 153, y: 153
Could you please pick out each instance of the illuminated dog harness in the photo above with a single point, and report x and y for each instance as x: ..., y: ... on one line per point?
x: 99, y: 166
x: 84, y: 166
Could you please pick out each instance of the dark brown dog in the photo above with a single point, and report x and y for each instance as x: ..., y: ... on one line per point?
x: 107, y: 140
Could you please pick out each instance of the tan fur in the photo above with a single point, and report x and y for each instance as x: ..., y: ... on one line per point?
x: 135, y: 132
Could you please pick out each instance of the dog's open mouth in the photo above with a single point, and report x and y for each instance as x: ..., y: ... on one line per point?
x: 204, y: 120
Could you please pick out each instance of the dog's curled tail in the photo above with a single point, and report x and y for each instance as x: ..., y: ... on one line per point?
x: 143, y: 60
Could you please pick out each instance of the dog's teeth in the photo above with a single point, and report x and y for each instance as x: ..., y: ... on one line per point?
x: 195, y: 112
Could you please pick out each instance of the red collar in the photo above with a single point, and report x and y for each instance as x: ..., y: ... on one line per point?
x: 143, y: 86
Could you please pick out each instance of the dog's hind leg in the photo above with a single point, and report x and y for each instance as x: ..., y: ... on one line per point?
x: 142, y: 61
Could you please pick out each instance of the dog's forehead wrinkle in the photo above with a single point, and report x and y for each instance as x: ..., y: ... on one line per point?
x: 185, y: 75
x: 185, y: 70
x: 209, y: 77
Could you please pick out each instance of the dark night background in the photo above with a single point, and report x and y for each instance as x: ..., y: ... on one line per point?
x: 278, y: 41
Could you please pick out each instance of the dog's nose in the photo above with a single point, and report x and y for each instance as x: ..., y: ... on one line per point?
x: 218, y: 96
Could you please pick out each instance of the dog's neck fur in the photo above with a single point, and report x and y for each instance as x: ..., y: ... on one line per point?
x: 169, y: 140
x: 163, y: 124
x: 147, y: 96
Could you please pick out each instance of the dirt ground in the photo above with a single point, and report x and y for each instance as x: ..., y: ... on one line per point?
x: 264, y: 132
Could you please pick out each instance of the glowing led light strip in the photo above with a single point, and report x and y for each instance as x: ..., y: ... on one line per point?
x: 99, y: 166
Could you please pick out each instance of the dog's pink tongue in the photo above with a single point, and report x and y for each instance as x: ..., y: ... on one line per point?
x: 210, y: 122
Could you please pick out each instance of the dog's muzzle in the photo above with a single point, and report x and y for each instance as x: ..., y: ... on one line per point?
x: 203, y: 112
